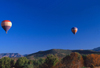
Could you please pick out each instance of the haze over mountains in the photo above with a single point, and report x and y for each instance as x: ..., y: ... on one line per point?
x: 58, y: 52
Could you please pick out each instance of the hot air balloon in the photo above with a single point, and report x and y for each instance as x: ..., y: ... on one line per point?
x: 74, y: 30
x: 6, y: 25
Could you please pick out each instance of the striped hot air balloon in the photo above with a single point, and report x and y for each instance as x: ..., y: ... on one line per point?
x: 6, y: 25
x: 74, y: 30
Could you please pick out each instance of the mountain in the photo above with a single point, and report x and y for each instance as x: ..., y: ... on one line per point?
x: 85, y: 52
x: 42, y: 54
x: 10, y: 55
x: 96, y: 49
x: 59, y: 52
x: 25, y: 55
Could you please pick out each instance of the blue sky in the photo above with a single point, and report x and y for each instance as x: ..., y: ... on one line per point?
x: 46, y: 24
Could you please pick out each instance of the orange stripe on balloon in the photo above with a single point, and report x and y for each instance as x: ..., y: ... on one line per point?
x: 6, y: 21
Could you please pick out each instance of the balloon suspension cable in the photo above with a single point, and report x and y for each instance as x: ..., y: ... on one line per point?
x: 6, y: 32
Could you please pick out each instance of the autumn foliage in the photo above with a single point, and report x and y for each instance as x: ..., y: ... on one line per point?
x: 93, y: 59
x: 74, y: 60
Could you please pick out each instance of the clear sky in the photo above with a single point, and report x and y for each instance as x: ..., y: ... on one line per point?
x: 46, y: 24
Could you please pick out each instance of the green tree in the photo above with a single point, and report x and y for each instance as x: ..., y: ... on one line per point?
x: 41, y: 60
x: 12, y: 63
x: 38, y: 62
x: 84, y: 58
x: 28, y: 66
x: 50, y: 61
x: 5, y: 62
x: 30, y: 62
x: 21, y: 62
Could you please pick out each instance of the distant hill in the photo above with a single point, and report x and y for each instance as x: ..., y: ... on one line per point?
x: 41, y: 54
x: 25, y: 55
x: 59, y: 52
x: 85, y: 52
x: 97, y: 49
x: 10, y: 55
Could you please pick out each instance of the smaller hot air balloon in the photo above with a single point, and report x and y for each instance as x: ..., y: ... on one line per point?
x: 6, y: 25
x: 74, y: 30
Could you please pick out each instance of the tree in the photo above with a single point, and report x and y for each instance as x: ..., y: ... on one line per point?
x: 30, y: 62
x: 84, y: 58
x: 74, y: 60
x: 28, y: 66
x: 38, y: 62
x: 5, y: 62
x: 21, y: 62
x: 93, y: 60
x: 12, y: 63
x: 41, y: 60
x: 50, y: 61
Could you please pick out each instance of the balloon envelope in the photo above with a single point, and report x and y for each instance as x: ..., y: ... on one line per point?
x: 74, y: 30
x: 6, y: 25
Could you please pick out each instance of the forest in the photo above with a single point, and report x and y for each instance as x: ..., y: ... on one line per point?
x: 73, y: 60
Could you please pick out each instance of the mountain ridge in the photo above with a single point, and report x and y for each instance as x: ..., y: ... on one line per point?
x: 10, y: 55
x: 96, y: 49
x: 58, y: 52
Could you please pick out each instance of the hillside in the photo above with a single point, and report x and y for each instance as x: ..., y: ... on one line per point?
x: 85, y: 52
x: 59, y: 52
x: 96, y: 49
x: 42, y: 54
x: 25, y: 55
